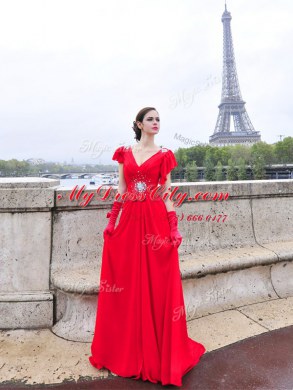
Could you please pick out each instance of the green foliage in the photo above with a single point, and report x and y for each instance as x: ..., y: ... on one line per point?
x: 14, y: 168
x: 258, y: 167
x: 219, y: 175
x: 240, y: 151
x: 283, y: 151
x: 241, y: 172
x: 209, y: 169
x: 182, y: 157
x: 191, y: 172
x: 236, y: 158
x: 231, y: 170
x: 263, y: 150
x: 195, y: 153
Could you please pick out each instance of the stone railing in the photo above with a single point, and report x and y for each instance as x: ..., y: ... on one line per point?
x: 234, y: 252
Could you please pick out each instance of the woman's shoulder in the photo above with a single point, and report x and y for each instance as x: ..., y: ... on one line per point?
x: 162, y: 148
x: 123, y: 148
x: 119, y: 154
x: 167, y: 151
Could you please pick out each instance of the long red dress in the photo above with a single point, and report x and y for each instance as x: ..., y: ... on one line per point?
x: 141, y: 329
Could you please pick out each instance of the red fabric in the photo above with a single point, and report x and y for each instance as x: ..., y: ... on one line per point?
x: 174, y: 232
x: 140, y: 329
x: 168, y: 163
x: 119, y: 154
x: 113, y: 215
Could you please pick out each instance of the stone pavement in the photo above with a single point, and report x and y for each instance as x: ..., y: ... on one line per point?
x: 249, y: 348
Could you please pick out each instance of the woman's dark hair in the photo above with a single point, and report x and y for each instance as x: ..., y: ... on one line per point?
x: 139, y: 118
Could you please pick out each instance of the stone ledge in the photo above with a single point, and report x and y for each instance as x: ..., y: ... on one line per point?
x: 79, y: 280
x: 212, y: 281
x: 26, y: 296
x: 240, y: 188
x: 283, y: 249
x: 86, y: 281
x: 29, y: 309
x: 26, y: 199
x: 23, y: 194
x: 27, y: 182
x: 229, y: 259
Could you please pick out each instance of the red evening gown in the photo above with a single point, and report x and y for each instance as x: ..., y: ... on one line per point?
x: 141, y: 329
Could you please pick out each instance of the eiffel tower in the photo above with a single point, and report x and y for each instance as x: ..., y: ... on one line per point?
x: 232, y: 103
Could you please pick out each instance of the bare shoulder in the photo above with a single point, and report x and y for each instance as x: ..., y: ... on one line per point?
x: 137, y: 149
x: 127, y: 147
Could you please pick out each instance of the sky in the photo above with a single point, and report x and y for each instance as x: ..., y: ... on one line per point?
x: 74, y: 74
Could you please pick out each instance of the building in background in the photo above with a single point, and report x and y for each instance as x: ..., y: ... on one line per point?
x: 232, y: 104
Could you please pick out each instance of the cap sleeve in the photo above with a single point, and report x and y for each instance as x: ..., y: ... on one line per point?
x: 119, y: 154
x: 168, y: 163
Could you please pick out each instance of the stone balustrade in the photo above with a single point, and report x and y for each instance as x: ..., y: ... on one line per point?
x: 234, y: 252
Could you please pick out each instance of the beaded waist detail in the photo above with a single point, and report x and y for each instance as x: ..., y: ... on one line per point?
x: 140, y: 190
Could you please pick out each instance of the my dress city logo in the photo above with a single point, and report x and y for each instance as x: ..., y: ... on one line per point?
x: 154, y: 194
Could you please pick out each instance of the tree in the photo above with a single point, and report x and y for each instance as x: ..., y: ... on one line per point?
x: 258, y: 167
x: 264, y: 150
x: 231, y: 170
x: 241, y: 173
x: 181, y: 157
x: 284, y: 151
x: 191, y: 171
x: 219, y: 172
x: 209, y: 169
x: 241, y: 151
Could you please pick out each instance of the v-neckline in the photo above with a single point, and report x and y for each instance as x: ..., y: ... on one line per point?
x: 146, y: 159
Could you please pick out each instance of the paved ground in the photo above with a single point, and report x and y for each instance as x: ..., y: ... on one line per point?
x: 249, y: 348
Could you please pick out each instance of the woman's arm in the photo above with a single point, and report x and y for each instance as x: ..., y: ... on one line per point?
x: 121, y: 185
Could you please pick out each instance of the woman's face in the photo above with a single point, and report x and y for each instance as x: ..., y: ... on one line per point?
x: 150, y: 123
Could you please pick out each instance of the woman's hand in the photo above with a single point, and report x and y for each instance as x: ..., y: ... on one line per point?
x: 176, y: 237
x: 113, y: 214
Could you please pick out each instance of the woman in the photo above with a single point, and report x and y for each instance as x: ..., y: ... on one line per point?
x: 141, y: 327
